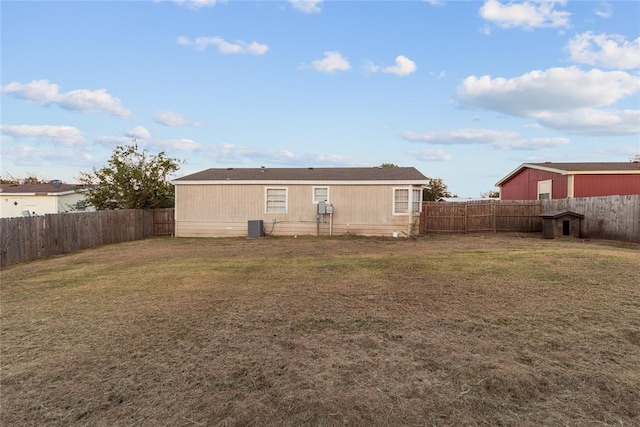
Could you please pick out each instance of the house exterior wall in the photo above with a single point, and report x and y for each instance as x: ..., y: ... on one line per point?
x: 210, y: 210
x: 524, y: 185
x: 609, y: 185
x: 12, y: 205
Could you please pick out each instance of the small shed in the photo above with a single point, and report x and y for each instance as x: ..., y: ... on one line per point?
x: 561, y: 223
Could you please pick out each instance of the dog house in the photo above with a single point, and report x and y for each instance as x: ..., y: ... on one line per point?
x: 561, y: 223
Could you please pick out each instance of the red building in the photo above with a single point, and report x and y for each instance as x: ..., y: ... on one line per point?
x: 535, y: 181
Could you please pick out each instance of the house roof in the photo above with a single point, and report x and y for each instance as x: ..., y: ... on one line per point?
x: 39, y: 189
x: 578, y: 168
x: 396, y: 174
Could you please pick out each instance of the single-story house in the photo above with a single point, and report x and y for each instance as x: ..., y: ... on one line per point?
x: 550, y: 180
x: 39, y: 199
x: 299, y: 201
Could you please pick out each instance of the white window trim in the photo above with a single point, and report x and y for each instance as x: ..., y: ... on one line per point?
x: 413, y: 201
x: 393, y: 202
x: 286, y: 200
x: 410, y: 201
x: 313, y: 194
x: 546, y: 182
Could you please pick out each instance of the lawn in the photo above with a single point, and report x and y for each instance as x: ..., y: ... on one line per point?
x: 445, y: 331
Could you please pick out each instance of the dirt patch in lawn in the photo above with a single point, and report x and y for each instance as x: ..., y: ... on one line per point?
x: 460, y: 330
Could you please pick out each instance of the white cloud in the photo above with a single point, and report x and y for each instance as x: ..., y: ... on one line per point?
x: 404, y: 66
x: 224, y: 47
x: 88, y: 101
x: 332, y: 61
x: 307, y: 6
x: 370, y: 67
x: 196, y: 4
x: 459, y: 136
x: 227, y: 153
x: 169, y: 118
x: 540, y: 93
x: 431, y: 155
x: 604, y: 10
x: 183, y: 144
x: 502, y: 140
x: 65, y: 135
x: 138, y: 132
x: 527, y: 15
x: 605, y: 50
x: 591, y: 121
x: 533, y: 144
x: 435, y: 2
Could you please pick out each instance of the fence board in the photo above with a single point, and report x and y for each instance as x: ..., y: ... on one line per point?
x: 26, y: 239
x: 611, y: 217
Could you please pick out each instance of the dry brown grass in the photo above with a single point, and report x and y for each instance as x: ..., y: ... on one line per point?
x: 462, y: 330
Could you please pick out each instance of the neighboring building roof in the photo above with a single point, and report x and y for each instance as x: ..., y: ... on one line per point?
x: 40, y: 189
x: 378, y: 174
x: 578, y: 168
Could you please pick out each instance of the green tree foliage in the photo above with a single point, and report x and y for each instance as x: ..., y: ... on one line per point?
x: 132, y: 179
x: 31, y: 178
x: 388, y: 165
x: 436, y: 189
x: 492, y: 194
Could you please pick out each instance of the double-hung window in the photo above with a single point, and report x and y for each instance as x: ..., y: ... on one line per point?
x: 400, y: 201
x: 416, y: 200
x: 275, y: 200
x: 320, y: 194
x: 407, y: 201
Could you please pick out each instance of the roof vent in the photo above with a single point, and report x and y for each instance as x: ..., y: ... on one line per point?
x: 229, y: 169
x: 310, y: 168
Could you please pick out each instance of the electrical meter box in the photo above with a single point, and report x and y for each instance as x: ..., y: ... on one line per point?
x: 329, y: 209
x: 322, y: 207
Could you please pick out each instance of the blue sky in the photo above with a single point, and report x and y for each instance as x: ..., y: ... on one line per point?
x: 463, y: 91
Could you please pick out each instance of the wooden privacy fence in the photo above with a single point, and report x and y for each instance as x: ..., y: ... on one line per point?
x: 610, y: 217
x: 26, y: 239
x: 480, y: 216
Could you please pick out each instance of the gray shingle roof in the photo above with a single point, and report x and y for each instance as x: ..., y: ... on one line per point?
x: 37, y: 188
x: 307, y: 174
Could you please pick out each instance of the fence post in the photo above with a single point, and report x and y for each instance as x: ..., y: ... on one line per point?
x: 466, y: 219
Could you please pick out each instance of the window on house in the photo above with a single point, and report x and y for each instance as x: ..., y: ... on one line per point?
x: 401, y: 201
x: 320, y: 194
x: 275, y: 200
x: 416, y: 200
x: 544, y: 190
x: 407, y: 200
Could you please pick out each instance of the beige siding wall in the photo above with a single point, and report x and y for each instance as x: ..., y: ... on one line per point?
x: 223, y: 210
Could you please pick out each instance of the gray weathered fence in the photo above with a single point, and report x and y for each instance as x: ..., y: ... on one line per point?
x: 610, y: 217
x: 26, y: 239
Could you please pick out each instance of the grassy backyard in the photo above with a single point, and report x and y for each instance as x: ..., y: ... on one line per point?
x: 448, y: 330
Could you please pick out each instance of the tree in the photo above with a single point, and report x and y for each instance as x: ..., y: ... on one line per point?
x: 436, y: 189
x: 635, y: 158
x: 31, y: 178
x: 492, y: 194
x: 388, y: 165
x: 132, y: 179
